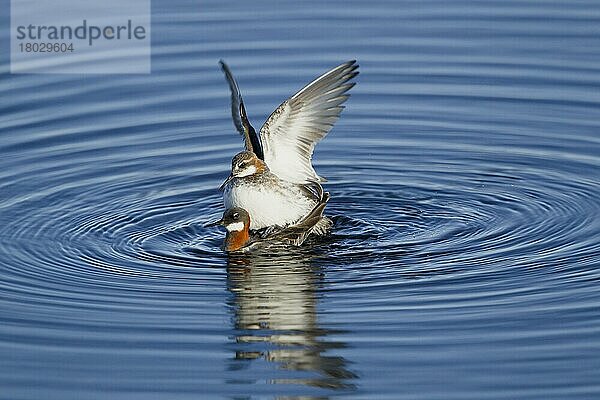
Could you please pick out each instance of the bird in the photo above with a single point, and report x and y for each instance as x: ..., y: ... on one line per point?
x: 237, y: 222
x: 273, y: 179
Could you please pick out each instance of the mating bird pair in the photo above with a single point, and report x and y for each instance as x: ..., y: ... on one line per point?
x: 273, y: 193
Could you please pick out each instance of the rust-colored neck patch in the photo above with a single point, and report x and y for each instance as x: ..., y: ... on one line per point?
x: 237, y: 239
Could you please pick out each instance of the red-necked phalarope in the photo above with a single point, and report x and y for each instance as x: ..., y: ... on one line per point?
x: 273, y: 179
x: 237, y: 222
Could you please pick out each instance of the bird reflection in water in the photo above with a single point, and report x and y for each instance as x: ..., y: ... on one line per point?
x: 275, y: 304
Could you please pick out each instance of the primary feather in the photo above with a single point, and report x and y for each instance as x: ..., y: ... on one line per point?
x: 291, y: 132
x: 238, y: 114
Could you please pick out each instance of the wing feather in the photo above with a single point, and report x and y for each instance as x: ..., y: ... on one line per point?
x: 239, y: 116
x: 291, y: 132
x: 314, y: 222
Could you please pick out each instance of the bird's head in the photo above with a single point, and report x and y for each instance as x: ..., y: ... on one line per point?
x: 237, y: 222
x: 244, y: 164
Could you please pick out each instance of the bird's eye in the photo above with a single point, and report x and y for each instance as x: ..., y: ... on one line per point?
x: 243, y: 165
x: 236, y: 215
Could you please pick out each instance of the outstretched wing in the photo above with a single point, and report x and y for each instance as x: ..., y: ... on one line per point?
x: 291, y: 132
x: 240, y: 118
x: 313, y: 223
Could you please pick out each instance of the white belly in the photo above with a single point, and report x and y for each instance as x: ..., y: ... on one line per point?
x: 267, y: 207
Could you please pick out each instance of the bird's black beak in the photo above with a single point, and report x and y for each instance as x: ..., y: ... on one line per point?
x: 214, y: 223
x: 229, y: 178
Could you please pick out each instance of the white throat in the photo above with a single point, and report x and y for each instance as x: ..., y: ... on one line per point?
x: 235, y: 227
x: 248, y: 171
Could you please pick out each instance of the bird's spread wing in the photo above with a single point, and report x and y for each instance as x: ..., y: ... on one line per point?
x: 291, y: 132
x: 240, y: 118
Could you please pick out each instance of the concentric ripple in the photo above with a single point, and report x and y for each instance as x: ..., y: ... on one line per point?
x: 464, y: 177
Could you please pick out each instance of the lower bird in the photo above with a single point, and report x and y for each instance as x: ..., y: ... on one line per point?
x: 237, y: 222
x: 273, y: 180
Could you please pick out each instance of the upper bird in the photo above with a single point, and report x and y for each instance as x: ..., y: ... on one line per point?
x: 273, y: 179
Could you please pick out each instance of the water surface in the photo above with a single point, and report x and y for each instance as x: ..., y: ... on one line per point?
x: 464, y: 177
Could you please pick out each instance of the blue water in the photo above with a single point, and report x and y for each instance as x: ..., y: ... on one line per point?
x: 465, y: 180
